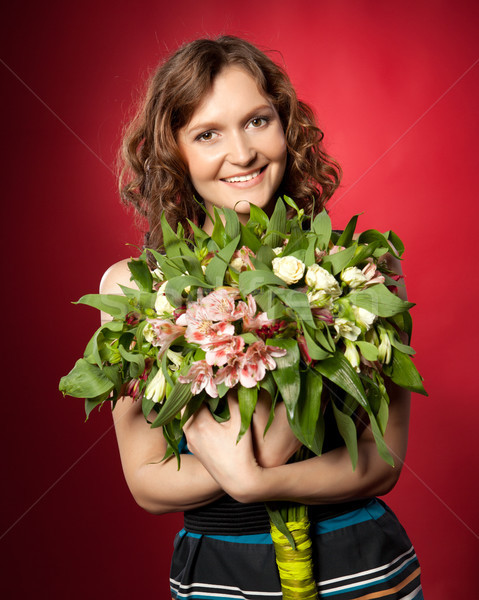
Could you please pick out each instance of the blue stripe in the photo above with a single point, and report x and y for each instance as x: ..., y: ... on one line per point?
x: 373, y: 510
x: 259, y: 538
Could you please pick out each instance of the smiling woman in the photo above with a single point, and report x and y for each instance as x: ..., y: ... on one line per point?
x: 234, y: 146
x: 221, y: 126
x: 216, y: 111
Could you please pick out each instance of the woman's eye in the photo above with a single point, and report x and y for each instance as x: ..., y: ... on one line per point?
x: 258, y: 122
x: 207, y: 136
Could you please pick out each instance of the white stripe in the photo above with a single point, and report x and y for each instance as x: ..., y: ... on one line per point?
x: 368, y: 572
x: 369, y: 581
x: 413, y: 594
x: 210, y: 586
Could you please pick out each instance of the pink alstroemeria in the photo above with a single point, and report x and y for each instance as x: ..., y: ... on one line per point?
x: 231, y: 373
x: 220, y: 305
x: 163, y: 333
x: 202, y: 330
x: 220, y: 352
x: 201, y: 377
x: 259, y: 357
x: 372, y: 275
x: 251, y: 319
x: 241, y: 260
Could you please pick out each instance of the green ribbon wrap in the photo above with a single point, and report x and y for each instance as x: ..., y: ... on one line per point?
x: 295, y: 566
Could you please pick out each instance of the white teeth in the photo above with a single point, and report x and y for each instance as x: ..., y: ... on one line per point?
x: 243, y: 177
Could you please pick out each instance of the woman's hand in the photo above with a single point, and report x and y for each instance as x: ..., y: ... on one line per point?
x: 279, y: 444
x: 232, y: 464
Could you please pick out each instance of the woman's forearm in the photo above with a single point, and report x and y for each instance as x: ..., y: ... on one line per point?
x: 158, y: 486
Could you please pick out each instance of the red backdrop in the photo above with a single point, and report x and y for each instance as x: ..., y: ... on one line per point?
x: 395, y: 88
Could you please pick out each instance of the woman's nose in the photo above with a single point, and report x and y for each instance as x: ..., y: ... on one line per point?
x: 241, y: 150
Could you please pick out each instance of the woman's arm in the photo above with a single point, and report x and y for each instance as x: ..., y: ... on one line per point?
x: 157, y: 486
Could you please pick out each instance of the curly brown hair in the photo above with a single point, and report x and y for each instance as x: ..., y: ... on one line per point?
x: 154, y: 177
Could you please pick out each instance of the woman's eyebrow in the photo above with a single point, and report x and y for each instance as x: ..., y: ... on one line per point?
x: 206, y: 125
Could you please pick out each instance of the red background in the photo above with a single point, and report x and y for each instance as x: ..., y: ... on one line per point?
x: 395, y: 88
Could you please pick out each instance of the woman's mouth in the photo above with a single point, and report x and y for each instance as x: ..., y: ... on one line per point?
x: 246, y: 177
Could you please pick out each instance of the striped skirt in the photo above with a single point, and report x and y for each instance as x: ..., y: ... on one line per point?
x: 362, y: 554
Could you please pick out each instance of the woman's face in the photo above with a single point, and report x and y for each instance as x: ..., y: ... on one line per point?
x: 234, y: 145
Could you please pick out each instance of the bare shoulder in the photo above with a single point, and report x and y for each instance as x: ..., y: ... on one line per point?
x: 116, y: 275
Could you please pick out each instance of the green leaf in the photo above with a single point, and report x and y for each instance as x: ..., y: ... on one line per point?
x: 381, y: 445
x: 297, y: 301
x: 315, y: 352
x: 174, y: 246
x: 136, y: 360
x: 141, y: 274
x: 177, y: 285
x: 178, y: 398
x: 380, y: 301
x: 322, y: 228
x: 308, y: 410
x: 91, y: 403
x: 396, y: 241
x: 277, y: 520
x: 402, y: 347
x: 348, y: 432
x: 115, y: 305
x: 85, y: 381
x: 232, y: 224
x: 276, y: 225
x: 339, y: 261
x: 216, y: 268
x: 347, y: 236
x: 250, y: 281
x: 371, y: 236
x: 219, y: 234
x: 369, y: 351
x: 290, y: 202
x: 139, y: 299
x: 169, y: 267
x: 286, y: 374
x: 199, y: 234
x: 257, y: 215
x: 249, y: 239
x: 403, y: 372
x: 339, y: 371
x: 247, y: 398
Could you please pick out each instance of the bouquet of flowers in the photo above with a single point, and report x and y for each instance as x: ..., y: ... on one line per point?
x: 282, y: 304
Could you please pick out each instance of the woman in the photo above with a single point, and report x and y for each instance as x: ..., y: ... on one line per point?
x: 221, y: 125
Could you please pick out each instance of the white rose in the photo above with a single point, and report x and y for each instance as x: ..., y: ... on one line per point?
x: 319, y: 298
x: 161, y: 304
x: 347, y: 329
x: 288, y: 268
x: 319, y: 279
x: 363, y: 317
x: 353, y: 277
x: 156, y: 389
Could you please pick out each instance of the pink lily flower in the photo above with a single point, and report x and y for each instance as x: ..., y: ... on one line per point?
x: 259, y: 357
x: 232, y: 373
x: 163, y: 333
x: 220, y: 352
x: 202, y: 330
x: 252, y: 320
x: 201, y: 377
x: 220, y: 305
x: 372, y: 275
